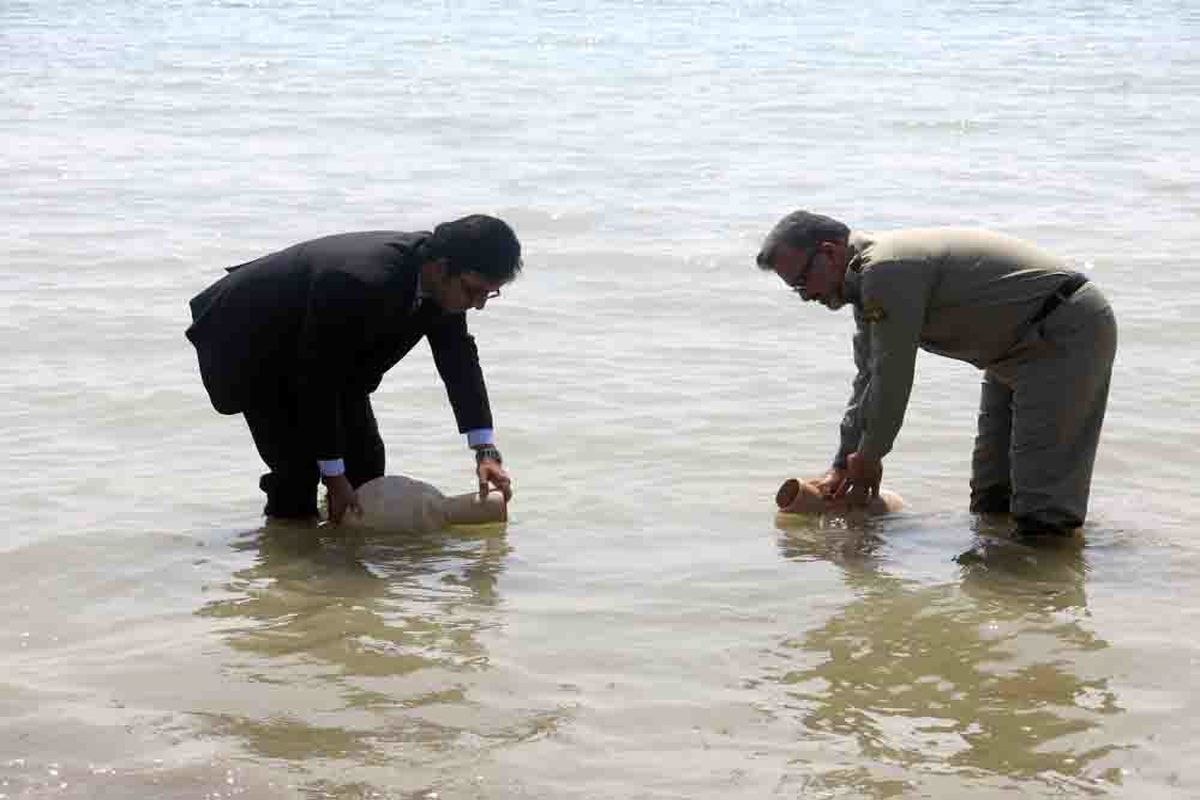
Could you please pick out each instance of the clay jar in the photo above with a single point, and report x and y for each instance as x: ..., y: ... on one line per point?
x: 797, y: 496
x: 397, y: 503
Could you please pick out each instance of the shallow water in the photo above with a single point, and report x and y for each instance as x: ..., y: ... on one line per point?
x: 643, y: 626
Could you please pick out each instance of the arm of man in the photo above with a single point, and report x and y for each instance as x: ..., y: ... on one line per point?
x: 457, y: 360
x: 852, y: 420
x: 895, y: 299
x: 332, y: 329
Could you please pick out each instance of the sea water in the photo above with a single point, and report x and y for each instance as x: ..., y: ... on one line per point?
x: 643, y: 627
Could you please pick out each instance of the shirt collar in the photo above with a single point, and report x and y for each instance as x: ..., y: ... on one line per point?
x: 856, y: 253
x: 417, y: 296
x: 418, y: 256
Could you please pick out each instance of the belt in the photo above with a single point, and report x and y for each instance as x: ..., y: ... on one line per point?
x: 1064, y: 290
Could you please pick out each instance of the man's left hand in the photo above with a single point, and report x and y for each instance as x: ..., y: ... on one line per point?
x: 341, y: 498
x: 861, y: 482
x: 491, y: 473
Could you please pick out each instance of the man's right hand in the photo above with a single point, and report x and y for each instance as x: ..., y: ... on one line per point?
x: 828, y: 483
x: 340, y: 497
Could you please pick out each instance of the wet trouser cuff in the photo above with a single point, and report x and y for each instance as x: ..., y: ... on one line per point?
x: 1034, y: 526
x: 295, y: 499
x: 992, y: 500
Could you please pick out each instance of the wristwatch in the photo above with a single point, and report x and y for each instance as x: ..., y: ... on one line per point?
x: 488, y: 452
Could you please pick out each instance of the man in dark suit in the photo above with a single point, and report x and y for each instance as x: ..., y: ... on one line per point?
x: 297, y: 340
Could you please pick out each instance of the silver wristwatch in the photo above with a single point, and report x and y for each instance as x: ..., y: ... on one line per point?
x: 488, y: 452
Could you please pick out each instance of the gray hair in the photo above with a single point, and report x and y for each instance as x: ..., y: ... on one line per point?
x: 802, y: 230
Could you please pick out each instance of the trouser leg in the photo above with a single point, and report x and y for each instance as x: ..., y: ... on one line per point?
x: 291, y: 482
x: 1058, y: 410
x: 991, y: 482
x: 364, y: 446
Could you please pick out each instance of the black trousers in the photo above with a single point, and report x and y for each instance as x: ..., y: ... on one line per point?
x: 291, y: 484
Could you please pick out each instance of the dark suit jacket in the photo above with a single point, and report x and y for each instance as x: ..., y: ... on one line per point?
x: 325, y: 317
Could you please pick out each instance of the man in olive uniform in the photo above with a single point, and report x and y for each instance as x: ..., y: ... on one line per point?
x: 296, y: 341
x: 1043, y: 335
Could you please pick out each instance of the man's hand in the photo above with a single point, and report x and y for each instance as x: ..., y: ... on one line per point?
x: 828, y: 483
x: 491, y: 473
x: 340, y: 497
x: 861, y: 481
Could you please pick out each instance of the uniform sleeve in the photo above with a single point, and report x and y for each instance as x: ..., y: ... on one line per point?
x: 852, y: 421
x: 457, y: 361
x: 330, y: 334
x: 895, y: 298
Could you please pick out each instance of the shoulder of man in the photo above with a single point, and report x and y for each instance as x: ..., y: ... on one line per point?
x: 375, y: 258
x: 892, y: 278
x: 873, y: 311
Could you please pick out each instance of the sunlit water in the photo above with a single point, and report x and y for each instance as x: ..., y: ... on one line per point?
x: 643, y: 627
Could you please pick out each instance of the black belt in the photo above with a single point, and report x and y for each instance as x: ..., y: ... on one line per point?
x: 1064, y: 290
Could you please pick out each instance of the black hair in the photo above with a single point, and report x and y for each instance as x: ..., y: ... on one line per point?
x: 476, y: 243
x: 803, y: 230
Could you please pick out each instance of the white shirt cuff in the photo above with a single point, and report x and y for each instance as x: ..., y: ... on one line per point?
x: 332, y: 468
x: 479, y: 436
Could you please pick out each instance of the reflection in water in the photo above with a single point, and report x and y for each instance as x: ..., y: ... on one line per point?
x: 984, y: 678
x: 362, y: 649
x: 365, y: 605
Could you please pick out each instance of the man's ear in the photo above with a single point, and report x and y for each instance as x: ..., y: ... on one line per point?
x: 835, y: 251
x: 436, y: 269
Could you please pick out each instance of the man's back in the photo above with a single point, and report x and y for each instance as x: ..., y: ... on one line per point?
x: 342, y: 293
x: 963, y: 293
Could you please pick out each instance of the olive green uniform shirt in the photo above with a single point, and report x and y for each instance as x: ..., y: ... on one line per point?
x: 966, y: 294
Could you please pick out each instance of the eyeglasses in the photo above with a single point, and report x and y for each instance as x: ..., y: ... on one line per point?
x: 478, y: 293
x: 797, y: 283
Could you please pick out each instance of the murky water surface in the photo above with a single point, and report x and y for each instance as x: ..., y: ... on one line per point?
x: 643, y: 626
